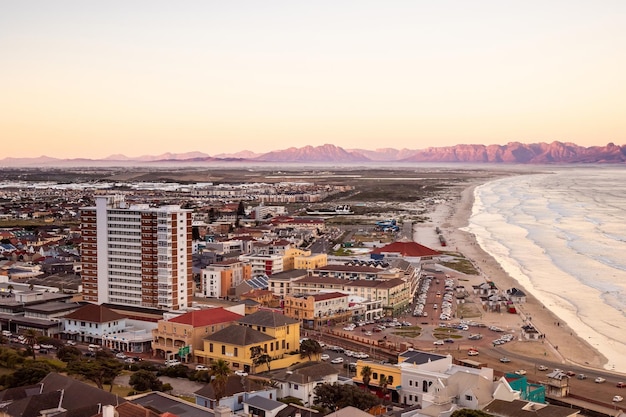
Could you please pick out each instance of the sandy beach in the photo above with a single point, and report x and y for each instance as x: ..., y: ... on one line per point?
x: 561, y: 343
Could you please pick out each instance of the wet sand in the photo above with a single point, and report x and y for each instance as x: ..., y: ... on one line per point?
x: 561, y: 342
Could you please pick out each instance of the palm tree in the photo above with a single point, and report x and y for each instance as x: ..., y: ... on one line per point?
x: 31, y: 339
x: 383, y: 382
x: 366, y: 375
x: 220, y: 372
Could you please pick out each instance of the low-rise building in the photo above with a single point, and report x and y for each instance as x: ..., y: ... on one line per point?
x: 318, y: 310
x: 189, y: 330
x: 264, y: 332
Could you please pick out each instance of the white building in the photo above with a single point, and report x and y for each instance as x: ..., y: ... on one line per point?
x: 263, y: 264
x: 136, y: 255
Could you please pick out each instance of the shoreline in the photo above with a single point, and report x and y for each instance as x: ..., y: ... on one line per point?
x: 562, y: 344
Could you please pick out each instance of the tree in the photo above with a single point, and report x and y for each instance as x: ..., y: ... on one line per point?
x: 69, y: 353
x: 366, y: 375
x: 383, y: 382
x: 31, y: 339
x: 343, y: 395
x: 10, y: 358
x: 145, y: 381
x: 466, y: 412
x: 310, y: 347
x: 102, y: 370
x: 220, y: 372
x: 260, y: 357
x: 30, y: 373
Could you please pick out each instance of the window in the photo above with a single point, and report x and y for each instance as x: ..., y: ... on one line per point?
x: 375, y: 375
x: 390, y: 379
x: 295, y: 387
x: 410, y: 382
x: 211, y: 347
x: 223, y: 350
x: 468, y: 398
x: 236, y: 351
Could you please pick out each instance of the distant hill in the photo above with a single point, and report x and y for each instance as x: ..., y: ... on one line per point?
x: 324, y: 153
x: 511, y: 153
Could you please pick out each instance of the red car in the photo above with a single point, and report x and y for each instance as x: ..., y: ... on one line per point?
x: 621, y: 385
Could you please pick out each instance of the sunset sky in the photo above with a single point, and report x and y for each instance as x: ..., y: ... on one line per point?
x: 91, y: 79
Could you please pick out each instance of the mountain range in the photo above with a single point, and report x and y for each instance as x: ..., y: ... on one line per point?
x: 511, y: 153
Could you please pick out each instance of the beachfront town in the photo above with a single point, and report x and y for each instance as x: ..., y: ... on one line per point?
x: 259, y: 300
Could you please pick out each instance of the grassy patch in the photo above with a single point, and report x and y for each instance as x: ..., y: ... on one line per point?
x: 468, y: 310
x: 462, y: 265
x: 407, y: 334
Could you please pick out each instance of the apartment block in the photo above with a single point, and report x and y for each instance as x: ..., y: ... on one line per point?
x: 136, y: 255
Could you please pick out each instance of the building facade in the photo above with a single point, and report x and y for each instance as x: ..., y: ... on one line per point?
x: 136, y: 254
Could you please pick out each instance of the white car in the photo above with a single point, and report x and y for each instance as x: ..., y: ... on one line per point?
x: 542, y: 368
x: 201, y: 368
x: 472, y: 353
x: 599, y: 380
x: 520, y: 372
x: 438, y: 342
x: 337, y: 360
x: 70, y: 343
x: 325, y: 357
x: 618, y: 398
x: 240, y: 373
x: 171, y: 362
x: 120, y: 355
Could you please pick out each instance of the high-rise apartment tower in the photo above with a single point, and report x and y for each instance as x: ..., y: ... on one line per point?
x: 136, y: 255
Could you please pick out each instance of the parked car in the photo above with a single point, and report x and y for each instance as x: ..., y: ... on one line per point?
x: 542, y: 368
x: 438, y: 342
x: 472, y: 352
x: 618, y: 398
x: 172, y: 362
x: 620, y: 385
x: 505, y: 360
x: 121, y: 356
x: 520, y: 372
x: 337, y: 360
x: 599, y: 380
x: 325, y: 357
x: 570, y: 373
x: 239, y: 372
x: 581, y: 376
x: 201, y: 368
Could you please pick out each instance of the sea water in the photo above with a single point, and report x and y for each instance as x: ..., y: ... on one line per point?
x: 562, y: 236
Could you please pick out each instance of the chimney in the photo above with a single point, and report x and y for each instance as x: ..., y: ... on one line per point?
x: 108, y: 410
x: 221, y: 411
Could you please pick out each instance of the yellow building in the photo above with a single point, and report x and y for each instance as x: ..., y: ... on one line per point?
x: 391, y: 372
x: 189, y: 329
x: 272, y: 333
x: 310, y: 261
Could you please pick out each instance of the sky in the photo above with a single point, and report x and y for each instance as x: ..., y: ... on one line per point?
x: 91, y: 79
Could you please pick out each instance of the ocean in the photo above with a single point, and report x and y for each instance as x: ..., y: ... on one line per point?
x: 562, y: 235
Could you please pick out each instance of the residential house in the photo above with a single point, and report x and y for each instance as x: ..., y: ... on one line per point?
x: 519, y: 408
x: 236, y: 391
x: 299, y: 381
x: 263, y: 297
x: 55, y: 394
x: 170, y: 406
